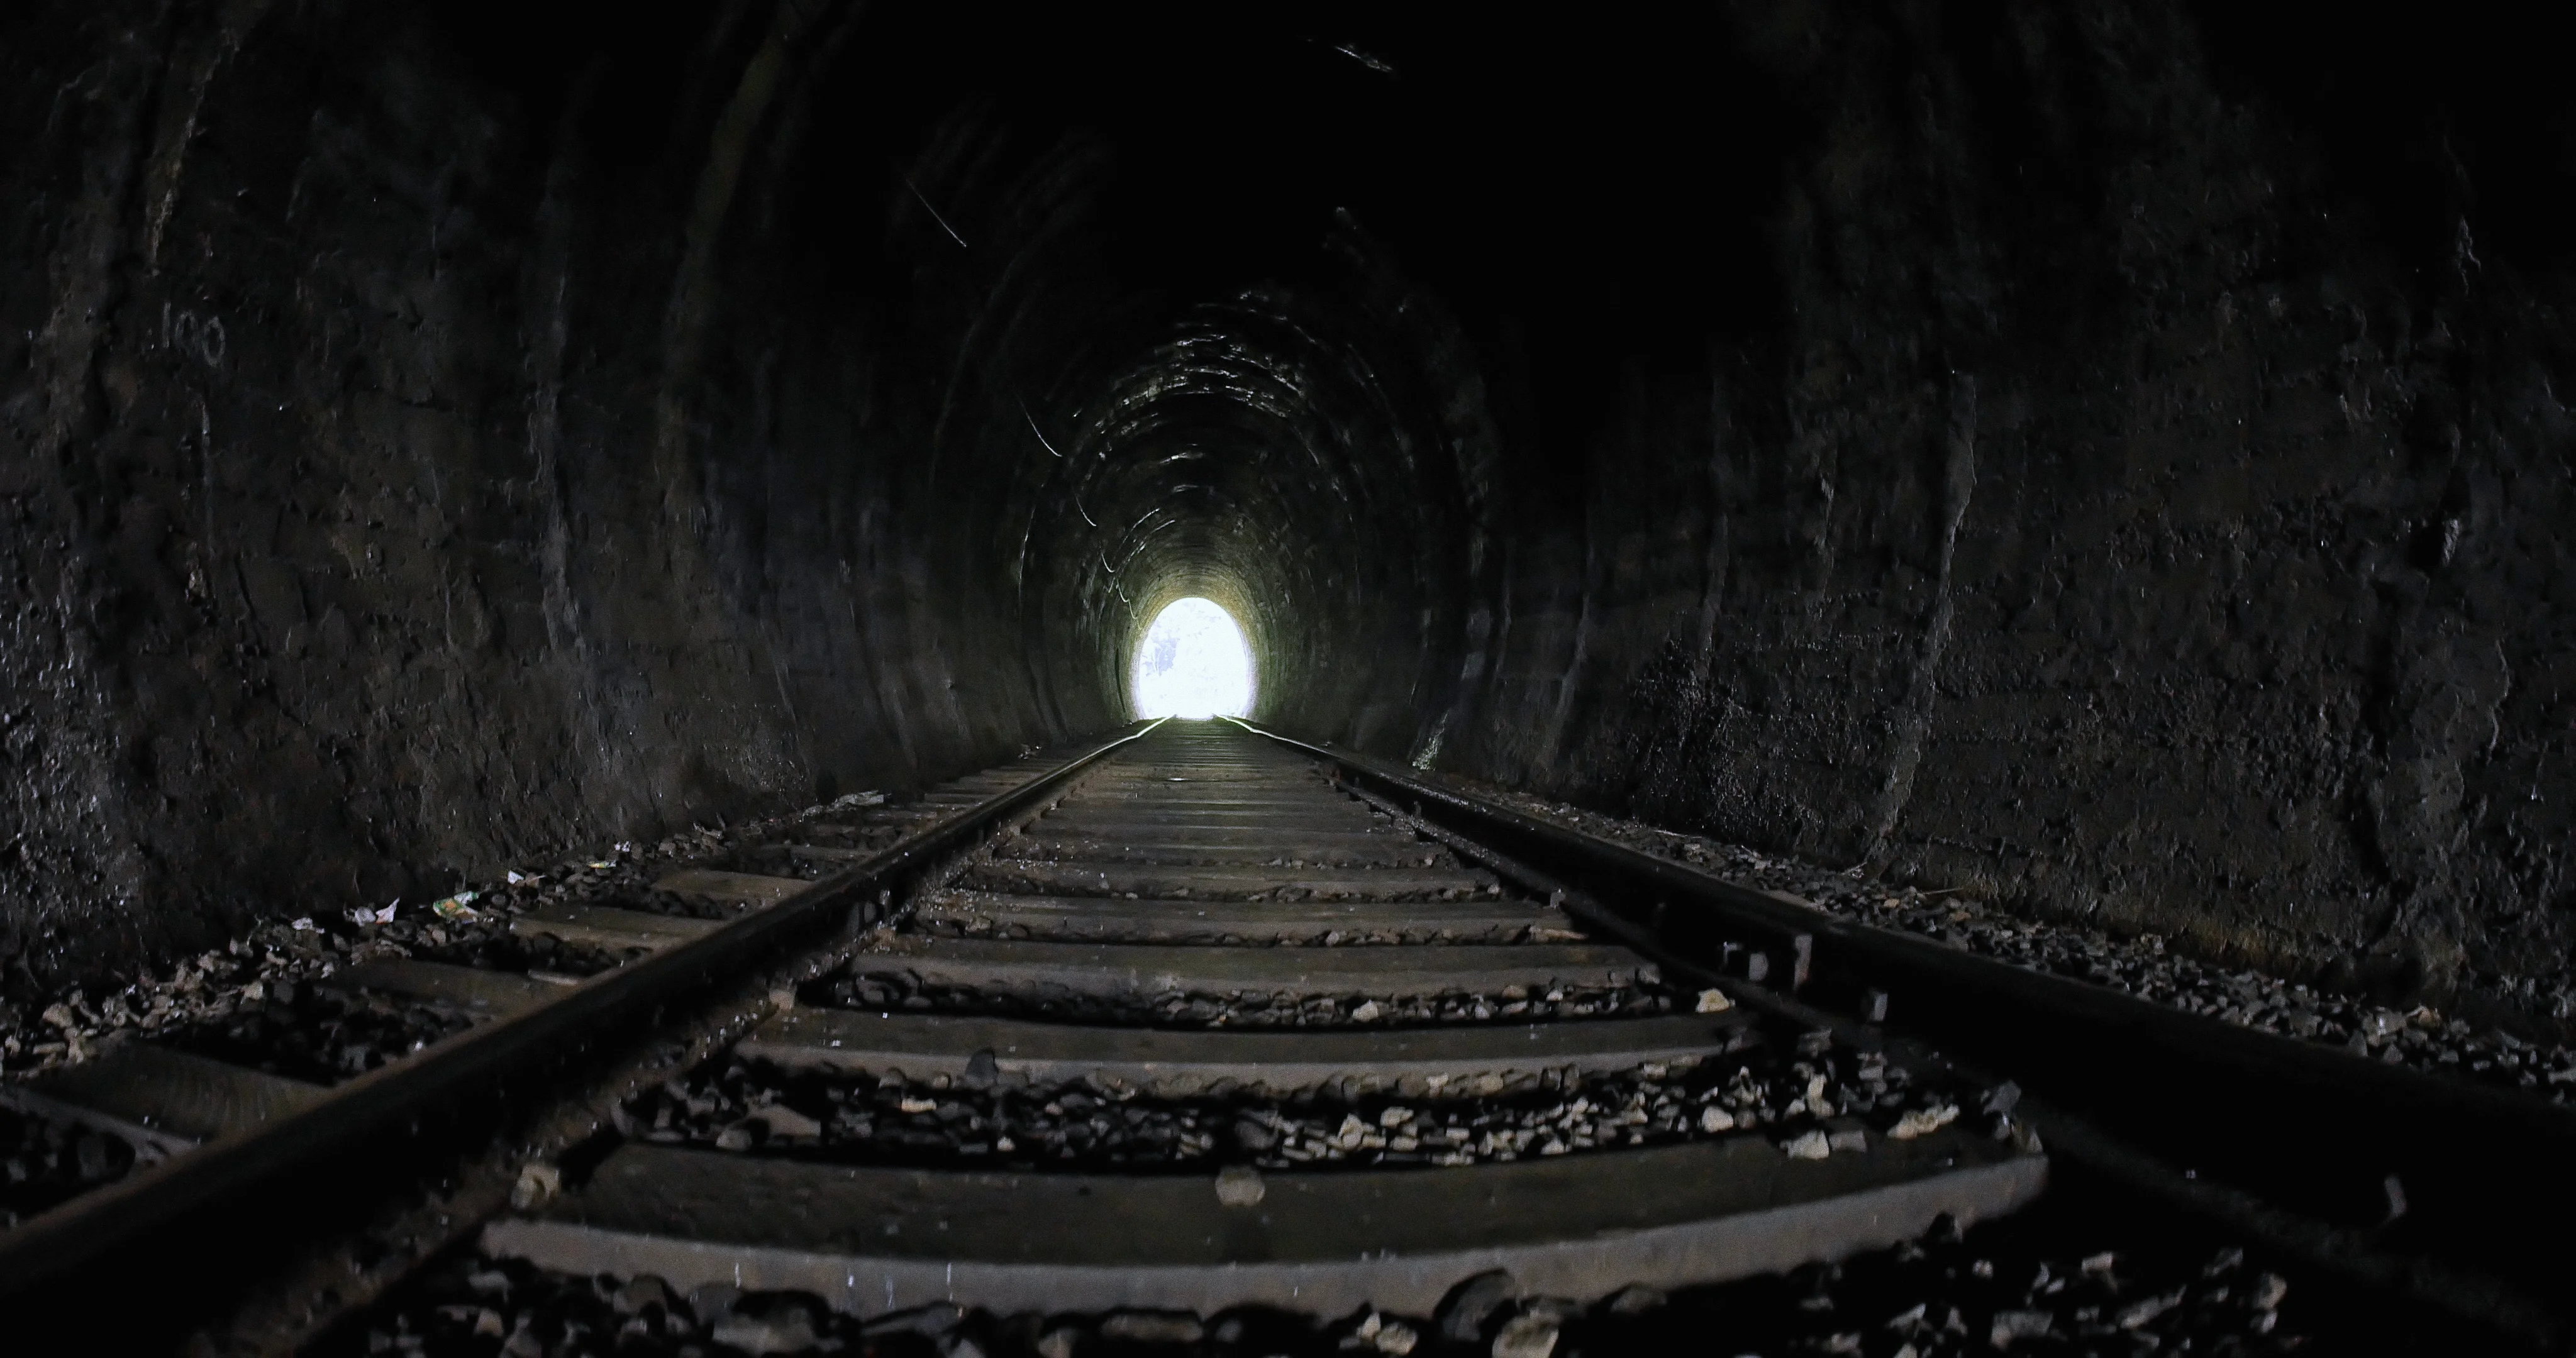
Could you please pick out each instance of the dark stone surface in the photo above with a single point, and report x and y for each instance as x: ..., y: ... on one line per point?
x: 2139, y: 512
x: 2104, y: 457
x: 395, y: 490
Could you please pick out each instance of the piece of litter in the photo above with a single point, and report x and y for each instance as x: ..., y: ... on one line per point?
x: 458, y: 906
x: 304, y: 925
x: 515, y: 876
x: 1923, y: 1122
x: 363, y: 915
x: 537, y: 1183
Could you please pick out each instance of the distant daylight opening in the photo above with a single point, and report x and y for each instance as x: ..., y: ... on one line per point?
x: 1193, y: 663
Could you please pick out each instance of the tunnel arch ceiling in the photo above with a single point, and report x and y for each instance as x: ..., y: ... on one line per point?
x: 1183, y: 361
x: 1251, y: 457
x: 1847, y: 430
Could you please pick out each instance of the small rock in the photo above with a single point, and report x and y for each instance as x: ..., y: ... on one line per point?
x: 713, y: 1302
x: 784, y: 1121
x: 787, y: 1329
x: 1152, y: 1327
x: 1395, y: 1337
x: 646, y: 1290
x: 1811, y: 1146
x: 538, y: 1183
x: 2268, y: 1291
x: 1715, y: 1119
x: 1240, y: 1186
x: 1060, y: 1342
x: 2016, y: 1325
x: 1464, y: 1312
x: 1530, y: 1335
x: 1368, y: 1012
x: 1637, y: 1300
x: 2139, y: 1313
x: 1714, y: 1002
x: 982, y: 1069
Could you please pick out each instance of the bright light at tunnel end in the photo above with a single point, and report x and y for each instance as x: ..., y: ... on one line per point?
x: 1193, y: 663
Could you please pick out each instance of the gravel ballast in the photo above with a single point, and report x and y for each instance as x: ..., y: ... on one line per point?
x: 1807, y: 1095
x: 1999, y: 1289
x: 45, y: 1161
x: 2143, y: 965
x: 216, y: 1000
x: 888, y: 991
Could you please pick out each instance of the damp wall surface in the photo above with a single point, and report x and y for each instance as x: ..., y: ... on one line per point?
x: 2153, y: 504
x: 2106, y: 457
x: 405, y: 471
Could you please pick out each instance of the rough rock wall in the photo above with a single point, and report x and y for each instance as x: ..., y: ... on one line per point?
x: 2075, y: 466
x: 404, y: 470
x: 2124, y: 515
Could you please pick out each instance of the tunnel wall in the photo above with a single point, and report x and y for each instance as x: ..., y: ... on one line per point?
x: 2040, y: 451
x: 411, y: 469
x: 2137, y: 512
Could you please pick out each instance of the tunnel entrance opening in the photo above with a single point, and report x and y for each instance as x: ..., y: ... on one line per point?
x: 1194, y: 664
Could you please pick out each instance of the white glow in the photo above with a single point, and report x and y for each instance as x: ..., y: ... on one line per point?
x: 1193, y: 663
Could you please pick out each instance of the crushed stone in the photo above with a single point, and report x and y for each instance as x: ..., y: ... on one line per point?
x: 2143, y: 965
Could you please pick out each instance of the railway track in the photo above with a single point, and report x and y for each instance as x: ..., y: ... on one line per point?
x: 1209, y: 918
x: 1203, y: 1020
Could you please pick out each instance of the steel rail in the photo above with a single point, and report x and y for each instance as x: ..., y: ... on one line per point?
x: 1014, y: 1236
x: 480, y: 1060
x: 2351, y: 1255
x: 2307, y: 1132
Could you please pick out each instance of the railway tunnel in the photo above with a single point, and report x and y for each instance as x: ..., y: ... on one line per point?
x: 2099, y: 464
